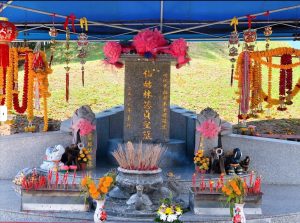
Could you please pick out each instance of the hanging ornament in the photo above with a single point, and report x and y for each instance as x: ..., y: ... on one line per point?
x: 67, y: 68
x: 250, y: 35
x: 268, y: 31
x: 233, y: 45
x: 53, y: 34
x: 82, y: 52
x: 8, y: 33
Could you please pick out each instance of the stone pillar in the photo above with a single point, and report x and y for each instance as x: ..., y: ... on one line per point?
x: 90, y: 140
x: 147, y: 99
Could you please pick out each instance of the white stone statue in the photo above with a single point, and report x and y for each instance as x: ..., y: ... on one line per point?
x: 53, y: 157
x: 210, y: 114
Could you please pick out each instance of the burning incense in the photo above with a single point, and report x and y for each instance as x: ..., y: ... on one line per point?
x: 73, y: 167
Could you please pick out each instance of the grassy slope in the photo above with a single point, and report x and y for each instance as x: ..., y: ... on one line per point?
x: 205, y: 82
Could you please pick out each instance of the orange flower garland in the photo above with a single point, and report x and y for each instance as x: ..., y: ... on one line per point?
x: 9, y: 83
x: 31, y: 75
x: 255, y: 76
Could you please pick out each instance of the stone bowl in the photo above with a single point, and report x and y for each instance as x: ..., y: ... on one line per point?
x: 127, y: 180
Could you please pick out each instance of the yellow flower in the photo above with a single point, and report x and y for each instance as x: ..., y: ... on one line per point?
x: 169, y: 211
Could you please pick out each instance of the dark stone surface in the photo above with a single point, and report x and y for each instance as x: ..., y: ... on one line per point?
x: 147, y: 99
x: 182, y: 131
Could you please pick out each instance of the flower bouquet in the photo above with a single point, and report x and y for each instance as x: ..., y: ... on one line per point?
x: 235, y: 191
x: 84, y: 158
x: 201, y: 162
x: 168, y: 212
x: 98, y: 192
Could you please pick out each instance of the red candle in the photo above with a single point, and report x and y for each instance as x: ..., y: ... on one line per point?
x: 73, y: 167
x: 56, y: 179
x: 251, y: 178
x: 202, y: 183
x: 211, y: 185
x: 194, y: 181
x: 222, y: 179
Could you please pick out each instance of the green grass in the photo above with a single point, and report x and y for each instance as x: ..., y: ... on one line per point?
x: 203, y: 83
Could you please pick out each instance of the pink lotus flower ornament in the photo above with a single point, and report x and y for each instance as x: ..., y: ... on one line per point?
x: 179, y: 49
x: 84, y: 126
x: 112, y: 51
x: 209, y: 129
x: 148, y: 40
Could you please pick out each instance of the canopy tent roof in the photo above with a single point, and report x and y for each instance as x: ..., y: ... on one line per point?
x: 120, y: 20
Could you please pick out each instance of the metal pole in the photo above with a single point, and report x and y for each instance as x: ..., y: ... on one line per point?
x: 62, y: 16
x: 229, y: 20
x: 161, y: 15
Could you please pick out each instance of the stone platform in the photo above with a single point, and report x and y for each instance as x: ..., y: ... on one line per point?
x: 280, y: 204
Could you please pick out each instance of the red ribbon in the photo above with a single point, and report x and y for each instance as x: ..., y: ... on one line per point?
x: 267, y: 13
x: 71, y: 17
x: 250, y: 17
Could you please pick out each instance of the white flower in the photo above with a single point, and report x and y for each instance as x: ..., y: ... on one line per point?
x: 172, y: 217
x: 163, y: 217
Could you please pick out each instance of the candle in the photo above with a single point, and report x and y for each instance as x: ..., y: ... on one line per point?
x: 194, y: 181
x: 245, y: 185
x: 211, y: 185
x: 251, y: 178
x: 222, y: 179
x: 56, y: 179
x: 73, y: 167
x: 202, y: 183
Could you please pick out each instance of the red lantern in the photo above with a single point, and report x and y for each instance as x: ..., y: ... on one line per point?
x: 8, y: 33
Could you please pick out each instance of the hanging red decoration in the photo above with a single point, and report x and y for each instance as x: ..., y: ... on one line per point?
x: 285, y: 82
x: 8, y: 33
x: 17, y: 107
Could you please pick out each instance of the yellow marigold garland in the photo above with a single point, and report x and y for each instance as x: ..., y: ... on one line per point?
x: 9, y: 81
x: 16, y: 69
x: 31, y: 75
x: 42, y: 77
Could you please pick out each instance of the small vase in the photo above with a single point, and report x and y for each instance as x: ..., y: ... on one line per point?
x: 238, y: 214
x: 99, y: 215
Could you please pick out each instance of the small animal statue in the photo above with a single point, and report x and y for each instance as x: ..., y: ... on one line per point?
x: 70, y: 156
x: 173, y: 184
x: 53, y: 157
x: 139, y: 200
x: 217, y: 161
x: 233, y: 162
x: 245, y: 163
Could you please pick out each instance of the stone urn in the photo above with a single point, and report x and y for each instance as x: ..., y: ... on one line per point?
x: 127, y: 180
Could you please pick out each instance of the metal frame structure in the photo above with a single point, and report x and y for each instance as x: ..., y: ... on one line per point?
x: 175, y: 28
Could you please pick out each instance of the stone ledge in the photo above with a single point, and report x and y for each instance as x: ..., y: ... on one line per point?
x: 276, y: 160
x: 27, y: 150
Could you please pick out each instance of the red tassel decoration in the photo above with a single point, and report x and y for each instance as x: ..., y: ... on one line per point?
x: 82, y: 75
x: 4, y: 55
x: 67, y: 86
x: 16, y: 103
x: 286, y: 59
